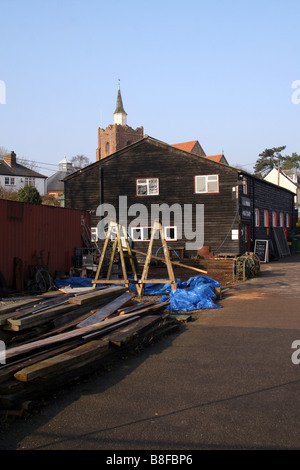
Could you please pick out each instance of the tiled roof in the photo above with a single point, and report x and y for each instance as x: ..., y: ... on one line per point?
x: 18, y: 170
x: 215, y: 158
x: 187, y: 146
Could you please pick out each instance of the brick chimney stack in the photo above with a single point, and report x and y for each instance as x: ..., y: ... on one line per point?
x: 10, y: 158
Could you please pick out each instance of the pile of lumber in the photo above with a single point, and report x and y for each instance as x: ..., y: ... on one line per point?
x: 53, y: 339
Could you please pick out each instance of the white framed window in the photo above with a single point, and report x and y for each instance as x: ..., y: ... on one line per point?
x: 281, y: 219
x: 29, y: 181
x: 245, y: 185
x: 206, y: 184
x: 170, y: 233
x: 288, y: 221
x: 94, y: 234
x: 9, y: 181
x: 274, y: 219
x: 266, y: 218
x: 147, y: 187
x: 140, y: 234
x: 257, y: 217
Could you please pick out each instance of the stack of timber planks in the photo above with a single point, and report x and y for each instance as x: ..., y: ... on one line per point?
x: 54, y: 339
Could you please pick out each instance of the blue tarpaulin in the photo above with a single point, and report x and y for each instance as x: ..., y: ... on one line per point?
x: 195, y: 294
x: 76, y: 282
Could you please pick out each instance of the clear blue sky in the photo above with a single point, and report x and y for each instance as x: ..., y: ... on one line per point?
x: 217, y: 71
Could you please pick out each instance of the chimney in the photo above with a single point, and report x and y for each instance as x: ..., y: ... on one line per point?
x: 10, y: 158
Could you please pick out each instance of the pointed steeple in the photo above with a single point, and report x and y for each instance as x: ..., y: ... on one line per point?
x: 120, y: 114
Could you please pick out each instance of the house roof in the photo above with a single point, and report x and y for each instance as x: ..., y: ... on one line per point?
x: 187, y: 146
x: 144, y: 139
x: 18, y: 170
x: 218, y: 158
x: 148, y: 139
x: 215, y: 158
x: 55, y: 182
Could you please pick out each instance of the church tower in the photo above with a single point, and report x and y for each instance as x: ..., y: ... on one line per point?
x: 120, y: 117
x: 118, y: 135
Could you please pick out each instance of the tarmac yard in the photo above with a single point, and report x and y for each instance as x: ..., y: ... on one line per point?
x: 224, y: 380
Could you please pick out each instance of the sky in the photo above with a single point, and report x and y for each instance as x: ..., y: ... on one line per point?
x: 218, y: 71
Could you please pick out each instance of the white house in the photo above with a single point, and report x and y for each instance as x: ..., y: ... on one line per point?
x: 14, y: 176
x: 283, y: 179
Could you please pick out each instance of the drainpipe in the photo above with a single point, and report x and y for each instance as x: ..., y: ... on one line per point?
x: 101, y: 185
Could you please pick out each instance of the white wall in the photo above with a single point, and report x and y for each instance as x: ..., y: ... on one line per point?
x: 284, y: 182
x: 20, y: 183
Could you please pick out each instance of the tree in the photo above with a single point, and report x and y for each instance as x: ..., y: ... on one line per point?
x: 291, y: 162
x: 80, y: 161
x: 48, y: 200
x: 3, y: 150
x: 268, y: 160
x: 29, y: 194
x: 28, y: 163
x: 8, y: 194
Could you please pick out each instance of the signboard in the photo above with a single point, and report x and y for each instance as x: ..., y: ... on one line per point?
x: 261, y: 249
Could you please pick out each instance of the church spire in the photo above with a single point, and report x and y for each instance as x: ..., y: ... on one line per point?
x: 120, y: 114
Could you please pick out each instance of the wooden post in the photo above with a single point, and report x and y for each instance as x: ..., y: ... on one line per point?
x: 117, y: 244
x: 141, y: 285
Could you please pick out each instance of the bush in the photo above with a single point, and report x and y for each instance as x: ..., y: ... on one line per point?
x: 29, y: 194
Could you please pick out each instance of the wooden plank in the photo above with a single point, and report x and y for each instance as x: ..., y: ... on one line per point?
x: 7, y: 310
x: 107, y: 309
x: 7, y: 371
x: 138, y: 306
x: 12, y: 305
x: 37, y: 307
x: 57, y: 364
x: 17, y: 324
x: 64, y: 337
x: 145, y: 310
x: 125, y: 336
x: 83, y: 354
x: 94, y: 296
x: 57, y: 314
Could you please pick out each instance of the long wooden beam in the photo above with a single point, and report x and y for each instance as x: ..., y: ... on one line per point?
x: 175, y: 263
x: 67, y: 336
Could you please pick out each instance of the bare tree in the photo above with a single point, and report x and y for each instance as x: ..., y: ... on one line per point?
x: 28, y: 163
x: 80, y: 161
x: 3, y: 150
